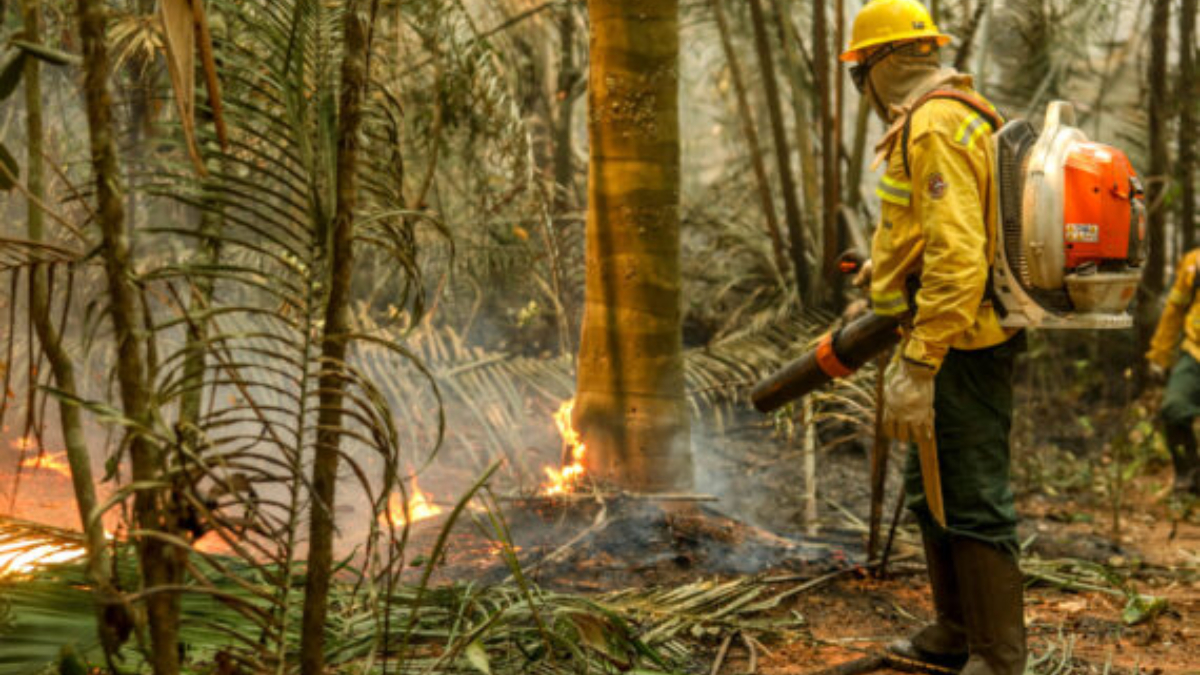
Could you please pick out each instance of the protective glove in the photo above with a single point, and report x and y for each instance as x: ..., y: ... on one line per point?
x: 863, y: 278
x: 908, y: 401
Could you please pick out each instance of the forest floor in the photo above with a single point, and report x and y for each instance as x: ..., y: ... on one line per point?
x: 1063, y: 516
x: 859, y: 614
x: 853, y: 613
x: 1067, y: 483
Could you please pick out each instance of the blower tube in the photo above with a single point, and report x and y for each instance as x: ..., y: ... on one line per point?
x: 837, y: 355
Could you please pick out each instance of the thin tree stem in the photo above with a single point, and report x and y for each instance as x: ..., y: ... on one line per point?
x: 161, y: 563
x: 331, y: 382
x: 751, y: 134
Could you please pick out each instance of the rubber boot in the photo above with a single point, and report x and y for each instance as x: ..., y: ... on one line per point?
x: 992, y: 591
x: 944, y: 642
x: 1181, y: 441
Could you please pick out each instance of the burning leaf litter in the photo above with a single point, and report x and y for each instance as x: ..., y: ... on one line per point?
x: 565, y: 480
x: 54, y: 462
x: 420, y: 506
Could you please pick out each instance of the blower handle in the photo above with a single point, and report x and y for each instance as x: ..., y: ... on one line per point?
x: 838, y: 354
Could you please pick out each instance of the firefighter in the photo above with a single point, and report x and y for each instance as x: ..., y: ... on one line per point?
x: 952, y: 379
x: 1181, y: 401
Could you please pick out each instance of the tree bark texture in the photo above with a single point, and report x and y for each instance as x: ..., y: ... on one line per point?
x: 1157, y: 173
x: 1188, y: 97
x: 787, y: 184
x: 631, y: 409
x: 331, y: 382
x: 752, y: 144
x: 161, y: 563
x: 61, y: 364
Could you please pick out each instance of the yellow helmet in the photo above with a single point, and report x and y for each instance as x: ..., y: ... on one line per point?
x: 883, y: 21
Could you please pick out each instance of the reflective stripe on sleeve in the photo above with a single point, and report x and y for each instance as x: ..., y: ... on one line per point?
x: 970, y: 130
x: 894, y: 191
x: 889, y: 303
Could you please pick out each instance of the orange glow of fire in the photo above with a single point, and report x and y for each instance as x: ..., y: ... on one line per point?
x: 55, y: 462
x: 566, y: 479
x: 420, y: 507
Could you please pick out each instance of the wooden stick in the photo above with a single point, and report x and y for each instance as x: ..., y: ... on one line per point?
x: 887, y: 548
x: 811, y: 526
x: 753, y: 667
x: 716, y: 666
x: 879, y: 462
x: 867, y: 664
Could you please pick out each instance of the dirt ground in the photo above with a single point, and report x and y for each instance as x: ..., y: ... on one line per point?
x: 1156, y: 552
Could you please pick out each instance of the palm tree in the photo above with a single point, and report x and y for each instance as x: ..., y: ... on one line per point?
x: 630, y: 408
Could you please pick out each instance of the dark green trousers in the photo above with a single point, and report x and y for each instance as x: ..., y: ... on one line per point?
x: 973, y: 409
x: 1181, y: 400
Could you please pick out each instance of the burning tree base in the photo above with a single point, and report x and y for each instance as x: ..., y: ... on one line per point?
x: 617, y: 540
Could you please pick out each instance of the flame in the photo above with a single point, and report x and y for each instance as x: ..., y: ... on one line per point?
x: 24, y: 555
x: 565, y: 480
x: 55, y: 462
x: 420, y: 507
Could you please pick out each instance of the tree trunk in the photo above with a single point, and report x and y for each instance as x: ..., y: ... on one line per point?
x: 331, y: 382
x: 61, y: 364
x: 1152, y: 276
x: 566, y: 196
x: 857, y: 156
x: 829, y: 152
x: 161, y: 563
x: 801, y: 88
x: 568, y: 77
x: 787, y: 183
x: 631, y: 410
x: 1188, y: 96
x: 968, y: 38
x: 751, y: 134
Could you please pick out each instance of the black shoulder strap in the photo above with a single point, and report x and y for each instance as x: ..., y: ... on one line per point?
x: 974, y: 103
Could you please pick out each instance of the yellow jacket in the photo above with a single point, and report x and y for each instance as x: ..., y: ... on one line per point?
x: 1181, y: 311
x: 938, y: 228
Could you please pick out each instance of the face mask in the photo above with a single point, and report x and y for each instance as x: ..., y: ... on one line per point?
x: 899, y: 77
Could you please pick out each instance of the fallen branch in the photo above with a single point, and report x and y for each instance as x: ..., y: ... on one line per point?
x: 867, y: 664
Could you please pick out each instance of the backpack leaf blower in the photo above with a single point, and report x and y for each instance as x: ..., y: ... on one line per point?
x: 1069, y: 245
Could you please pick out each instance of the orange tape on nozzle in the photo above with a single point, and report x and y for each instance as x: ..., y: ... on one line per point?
x: 827, y: 359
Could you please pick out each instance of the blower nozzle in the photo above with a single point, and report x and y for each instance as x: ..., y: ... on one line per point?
x: 838, y: 354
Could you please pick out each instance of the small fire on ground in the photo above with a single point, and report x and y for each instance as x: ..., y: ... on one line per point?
x: 420, y: 507
x: 566, y: 479
x: 48, y: 461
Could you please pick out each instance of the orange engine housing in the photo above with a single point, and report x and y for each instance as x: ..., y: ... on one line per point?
x: 1101, y: 220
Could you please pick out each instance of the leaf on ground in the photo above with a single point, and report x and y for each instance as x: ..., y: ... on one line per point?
x: 1142, y: 608
x: 477, y: 657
